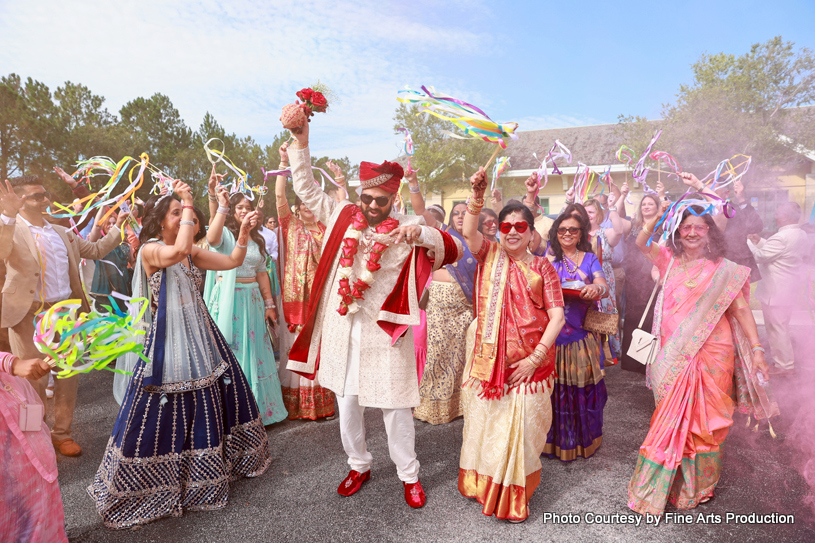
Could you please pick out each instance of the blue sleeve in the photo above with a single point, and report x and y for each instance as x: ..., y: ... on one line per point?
x: 595, y: 267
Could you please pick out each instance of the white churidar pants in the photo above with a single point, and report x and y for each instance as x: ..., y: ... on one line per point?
x: 398, y: 422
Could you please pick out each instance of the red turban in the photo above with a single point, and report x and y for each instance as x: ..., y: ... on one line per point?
x: 387, y: 176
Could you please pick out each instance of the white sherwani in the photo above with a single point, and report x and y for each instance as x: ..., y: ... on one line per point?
x: 387, y: 375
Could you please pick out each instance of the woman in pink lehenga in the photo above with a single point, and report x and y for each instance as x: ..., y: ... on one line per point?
x: 709, y: 350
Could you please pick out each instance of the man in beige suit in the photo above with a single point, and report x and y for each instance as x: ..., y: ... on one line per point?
x: 33, y: 250
x: 780, y: 261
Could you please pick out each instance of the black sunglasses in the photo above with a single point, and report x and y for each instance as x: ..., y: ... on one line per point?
x: 381, y: 201
x: 39, y: 196
x: 572, y: 230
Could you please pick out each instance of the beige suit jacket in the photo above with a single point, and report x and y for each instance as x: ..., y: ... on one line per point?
x: 780, y: 261
x: 19, y: 251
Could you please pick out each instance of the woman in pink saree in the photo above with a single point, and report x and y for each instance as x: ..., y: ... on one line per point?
x: 707, y: 366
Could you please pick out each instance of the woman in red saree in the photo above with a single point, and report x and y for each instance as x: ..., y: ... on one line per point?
x: 708, y: 337
x: 508, y: 377
x: 302, y: 239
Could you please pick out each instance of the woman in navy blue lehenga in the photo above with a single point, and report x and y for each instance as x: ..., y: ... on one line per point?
x: 189, y: 423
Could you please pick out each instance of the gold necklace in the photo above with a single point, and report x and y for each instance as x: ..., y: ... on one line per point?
x: 691, y: 283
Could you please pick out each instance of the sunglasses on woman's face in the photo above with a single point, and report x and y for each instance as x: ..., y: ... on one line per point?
x: 573, y: 230
x: 490, y: 222
x: 381, y: 201
x: 520, y: 227
x: 700, y: 229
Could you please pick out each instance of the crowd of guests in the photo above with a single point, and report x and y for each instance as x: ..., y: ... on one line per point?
x: 499, y: 313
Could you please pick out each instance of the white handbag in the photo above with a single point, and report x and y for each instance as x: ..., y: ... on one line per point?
x: 644, y: 345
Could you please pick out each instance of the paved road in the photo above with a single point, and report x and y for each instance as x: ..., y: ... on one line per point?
x: 296, y: 499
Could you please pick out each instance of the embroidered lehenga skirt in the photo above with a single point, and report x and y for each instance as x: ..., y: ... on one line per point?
x: 448, y: 316
x: 180, y: 450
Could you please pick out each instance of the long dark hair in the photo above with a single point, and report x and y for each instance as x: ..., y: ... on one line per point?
x: 232, y: 224
x: 155, y: 211
x: 583, y: 244
x: 716, y: 246
x: 202, y: 224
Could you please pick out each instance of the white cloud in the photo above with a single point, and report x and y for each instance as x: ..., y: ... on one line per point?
x: 243, y: 60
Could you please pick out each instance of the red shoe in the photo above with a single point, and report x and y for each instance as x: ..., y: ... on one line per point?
x: 351, y: 484
x: 414, y: 494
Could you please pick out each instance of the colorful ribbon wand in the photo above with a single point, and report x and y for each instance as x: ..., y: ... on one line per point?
x: 408, y: 147
x: 475, y: 123
x: 240, y: 179
x: 501, y: 165
x: 89, y: 341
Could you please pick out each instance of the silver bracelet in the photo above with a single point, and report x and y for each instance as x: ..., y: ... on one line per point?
x: 759, y: 348
x: 417, y: 191
x: 212, y: 197
x: 269, y: 303
x: 239, y: 246
x: 188, y: 223
x: 610, y: 209
x: 223, y: 210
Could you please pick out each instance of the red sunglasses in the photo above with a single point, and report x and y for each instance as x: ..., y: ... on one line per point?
x: 520, y: 227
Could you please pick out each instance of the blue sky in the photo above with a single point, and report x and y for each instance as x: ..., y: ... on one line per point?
x: 542, y: 64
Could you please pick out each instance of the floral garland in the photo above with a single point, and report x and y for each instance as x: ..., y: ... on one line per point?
x: 350, y: 245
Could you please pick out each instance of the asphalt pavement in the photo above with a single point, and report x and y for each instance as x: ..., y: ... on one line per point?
x: 296, y: 500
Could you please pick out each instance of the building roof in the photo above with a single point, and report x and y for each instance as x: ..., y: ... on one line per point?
x: 593, y: 145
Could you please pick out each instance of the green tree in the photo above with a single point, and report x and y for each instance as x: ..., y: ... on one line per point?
x: 158, y: 130
x: 750, y: 104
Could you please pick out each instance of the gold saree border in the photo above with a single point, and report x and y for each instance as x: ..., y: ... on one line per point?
x: 504, y: 501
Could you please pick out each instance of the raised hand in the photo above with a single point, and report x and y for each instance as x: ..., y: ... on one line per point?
x: 570, y: 194
x: 284, y: 153
x: 496, y: 195
x: 70, y: 181
x: 10, y: 203
x: 248, y: 223
x: 412, y: 177
x: 122, y: 217
x: 624, y: 190
x: 478, y: 182
x: 660, y: 189
x: 532, y: 183
x: 183, y: 190
x: 215, y: 180
x: 223, y: 196
x: 335, y: 169
x: 301, y: 135
x: 690, y: 180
